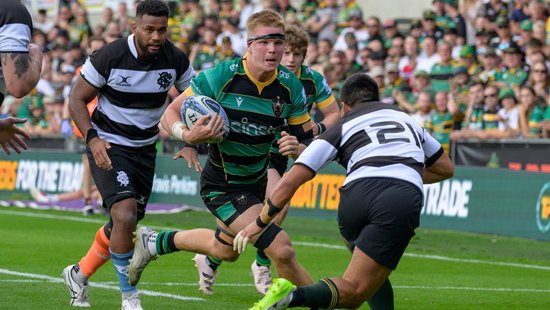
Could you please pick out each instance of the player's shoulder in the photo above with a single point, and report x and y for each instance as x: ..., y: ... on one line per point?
x: 313, y: 74
x: 14, y: 12
x: 226, y: 69
x: 116, y: 49
x: 287, y: 77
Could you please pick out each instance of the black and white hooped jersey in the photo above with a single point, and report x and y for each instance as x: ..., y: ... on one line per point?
x: 375, y: 140
x: 132, y: 92
x: 15, y: 30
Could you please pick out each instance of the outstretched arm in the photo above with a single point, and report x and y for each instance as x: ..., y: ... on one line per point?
x: 281, y: 195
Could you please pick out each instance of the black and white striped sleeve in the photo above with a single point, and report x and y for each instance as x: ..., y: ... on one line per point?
x: 322, y: 150
x: 91, y: 74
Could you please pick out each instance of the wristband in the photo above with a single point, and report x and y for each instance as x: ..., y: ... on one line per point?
x: 321, y: 128
x: 90, y: 134
x: 272, y: 210
x: 260, y: 223
x: 177, y: 130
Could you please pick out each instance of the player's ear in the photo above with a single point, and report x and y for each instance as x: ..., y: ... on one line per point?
x: 345, y: 108
x: 134, y: 27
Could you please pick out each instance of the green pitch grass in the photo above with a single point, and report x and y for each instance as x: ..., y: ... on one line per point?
x: 440, y: 270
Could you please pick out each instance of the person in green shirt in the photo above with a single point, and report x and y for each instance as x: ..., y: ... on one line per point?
x: 208, y: 54
x: 512, y: 75
x: 531, y: 115
x: 490, y: 61
x: 468, y: 59
x: 546, y: 120
x: 395, y: 83
x: 442, y: 72
x: 441, y: 123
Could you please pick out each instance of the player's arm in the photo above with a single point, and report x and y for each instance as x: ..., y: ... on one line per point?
x: 205, y: 129
x: 299, y: 138
x: 283, y: 192
x: 21, y: 70
x: 82, y: 93
x: 442, y: 169
x: 172, y: 116
x: 331, y: 115
x: 280, y: 196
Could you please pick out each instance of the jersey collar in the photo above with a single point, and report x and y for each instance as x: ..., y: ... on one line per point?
x: 132, y: 45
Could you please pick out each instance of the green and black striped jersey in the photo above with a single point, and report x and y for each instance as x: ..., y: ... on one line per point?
x: 256, y: 111
x: 317, y: 92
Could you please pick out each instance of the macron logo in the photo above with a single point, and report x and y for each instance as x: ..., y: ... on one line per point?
x: 239, y: 101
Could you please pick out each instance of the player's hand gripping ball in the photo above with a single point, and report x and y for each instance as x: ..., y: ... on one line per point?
x: 196, y: 106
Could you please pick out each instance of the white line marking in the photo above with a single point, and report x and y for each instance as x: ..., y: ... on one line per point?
x: 491, y: 289
x: 308, y: 244
x: 477, y: 261
x: 412, y: 287
x: 94, y: 284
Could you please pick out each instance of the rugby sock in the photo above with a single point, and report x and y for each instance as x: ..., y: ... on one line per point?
x: 214, y: 263
x: 323, y: 294
x: 121, y: 262
x: 383, y: 298
x: 165, y: 242
x: 97, y: 255
x: 262, y: 259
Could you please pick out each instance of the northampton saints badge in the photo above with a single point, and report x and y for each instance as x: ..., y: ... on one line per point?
x: 278, y: 106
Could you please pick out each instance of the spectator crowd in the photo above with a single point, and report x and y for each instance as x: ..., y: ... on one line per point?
x: 474, y: 69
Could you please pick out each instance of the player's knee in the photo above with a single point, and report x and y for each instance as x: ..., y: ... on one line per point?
x: 124, y: 214
x: 229, y: 256
x: 283, y: 255
x: 354, y: 297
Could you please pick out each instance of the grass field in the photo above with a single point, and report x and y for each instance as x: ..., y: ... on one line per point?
x: 440, y: 270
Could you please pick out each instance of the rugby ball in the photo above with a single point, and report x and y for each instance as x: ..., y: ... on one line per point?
x: 194, y: 107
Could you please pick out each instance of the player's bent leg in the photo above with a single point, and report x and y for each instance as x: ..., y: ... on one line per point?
x: 362, y: 279
x: 276, y: 244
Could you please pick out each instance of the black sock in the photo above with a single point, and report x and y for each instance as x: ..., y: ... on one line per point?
x: 323, y: 294
x: 383, y: 298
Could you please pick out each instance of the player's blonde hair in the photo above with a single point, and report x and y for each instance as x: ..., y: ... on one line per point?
x: 265, y: 18
x: 297, y: 39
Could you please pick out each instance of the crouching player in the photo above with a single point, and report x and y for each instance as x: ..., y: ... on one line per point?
x: 388, y: 156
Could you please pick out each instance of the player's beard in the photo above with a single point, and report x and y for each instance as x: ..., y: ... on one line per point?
x: 145, y: 49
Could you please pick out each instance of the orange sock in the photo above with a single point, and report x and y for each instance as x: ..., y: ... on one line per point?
x: 97, y: 255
